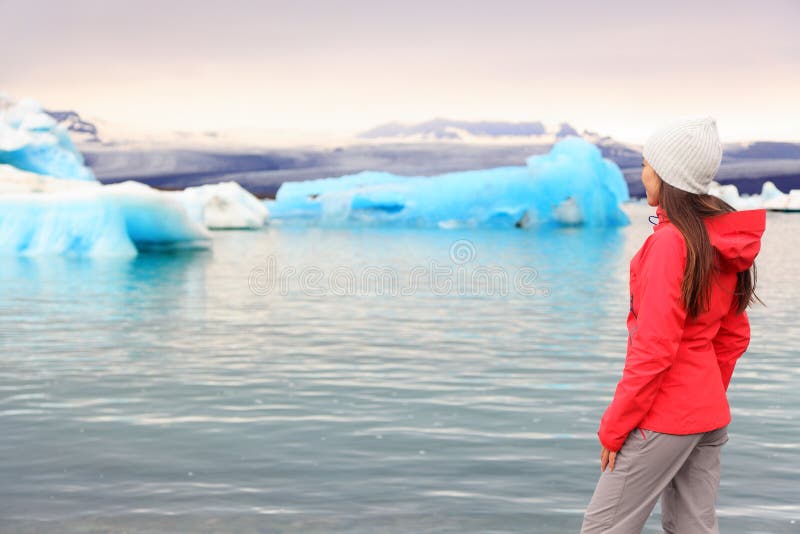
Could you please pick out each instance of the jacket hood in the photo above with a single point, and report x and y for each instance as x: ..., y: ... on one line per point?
x: 735, y: 235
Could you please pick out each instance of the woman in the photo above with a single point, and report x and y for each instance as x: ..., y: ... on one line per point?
x: 689, y: 286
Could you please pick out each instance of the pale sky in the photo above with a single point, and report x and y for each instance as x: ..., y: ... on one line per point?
x: 617, y: 67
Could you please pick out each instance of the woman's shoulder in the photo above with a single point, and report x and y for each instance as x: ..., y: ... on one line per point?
x: 667, y: 244
x: 668, y: 235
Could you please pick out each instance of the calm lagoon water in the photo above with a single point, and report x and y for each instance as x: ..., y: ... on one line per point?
x: 183, y: 392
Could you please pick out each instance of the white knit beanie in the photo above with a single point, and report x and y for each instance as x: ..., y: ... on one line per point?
x: 686, y: 154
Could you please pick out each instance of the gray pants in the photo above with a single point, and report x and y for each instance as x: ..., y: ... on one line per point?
x: 683, y: 470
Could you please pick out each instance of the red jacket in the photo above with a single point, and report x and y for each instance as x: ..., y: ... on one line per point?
x: 677, y: 370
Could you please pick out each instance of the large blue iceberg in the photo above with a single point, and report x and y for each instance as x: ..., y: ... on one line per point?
x: 571, y: 185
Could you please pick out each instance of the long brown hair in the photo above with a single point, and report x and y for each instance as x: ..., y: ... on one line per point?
x: 686, y: 211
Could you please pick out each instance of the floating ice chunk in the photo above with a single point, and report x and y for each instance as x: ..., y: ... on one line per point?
x: 769, y: 191
x: 225, y: 205
x: 32, y: 140
x: 784, y: 201
x: 794, y: 200
x: 41, y: 215
x: 729, y: 193
x: 573, y: 184
x: 770, y: 198
x: 76, y: 223
x: 156, y: 219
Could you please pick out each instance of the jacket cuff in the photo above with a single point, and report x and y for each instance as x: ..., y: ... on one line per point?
x: 606, y: 445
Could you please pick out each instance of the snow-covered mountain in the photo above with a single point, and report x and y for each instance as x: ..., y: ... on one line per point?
x: 439, y: 129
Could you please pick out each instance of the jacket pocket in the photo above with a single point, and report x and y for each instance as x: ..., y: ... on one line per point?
x: 642, y: 435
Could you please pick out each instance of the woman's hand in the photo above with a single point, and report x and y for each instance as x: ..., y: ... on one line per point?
x: 607, y: 457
